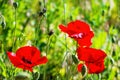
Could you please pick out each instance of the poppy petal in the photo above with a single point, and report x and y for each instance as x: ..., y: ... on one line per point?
x: 42, y: 60
x: 28, y: 52
x: 36, y: 56
x: 85, y: 40
x: 80, y: 67
x: 24, y: 52
x: 15, y: 60
x: 63, y: 28
x: 96, y: 67
x: 82, y: 26
x: 90, y: 54
x: 27, y: 68
x: 67, y: 30
x: 71, y: 27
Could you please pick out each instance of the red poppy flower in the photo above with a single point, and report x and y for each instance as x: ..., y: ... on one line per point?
x: 80, y: 31
x: 90, y: 55
x: 93, y: 58
x: 96, y: 67
x: 26, y: 58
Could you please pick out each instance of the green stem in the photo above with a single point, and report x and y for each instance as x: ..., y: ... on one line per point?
x: 35, y: 77
x: 62, y: 42
x: 119, y: 10
x: 65, y: 35
x: 37, y: 30
x: 44, y: 75
x: 67, y: 70
x: 37, y: 38
x: 14, y: 40
x: 44, y: 3
x: 99, y: 76
x: 47, y: 50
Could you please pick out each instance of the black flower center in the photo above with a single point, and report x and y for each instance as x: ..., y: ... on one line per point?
x: 26, y: 61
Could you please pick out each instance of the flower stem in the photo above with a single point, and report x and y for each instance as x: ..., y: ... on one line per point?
x: 67, y: 70
x: 44, y: 3
x: 99, y: 76
x: 35, y: 77
x: 118, y: 10
x: 37, y: 30
x: 14, y: 40
x: 47, y: 50
x: 47, y: 47
x: 65, y: 35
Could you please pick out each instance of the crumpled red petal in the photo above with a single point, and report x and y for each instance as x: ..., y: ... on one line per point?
x: 80, y: 67
x: 90, y: 54
x: 63, y: 28
x: 82, y: 26
x: 93, y: 68
x: 75, y: 27
x: 96, y: 67
x: 85, y: 41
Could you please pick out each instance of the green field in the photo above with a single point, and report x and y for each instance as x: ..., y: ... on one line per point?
x: 36, y: 23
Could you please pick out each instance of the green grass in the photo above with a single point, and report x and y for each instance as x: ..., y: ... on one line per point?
x: 102, y: 16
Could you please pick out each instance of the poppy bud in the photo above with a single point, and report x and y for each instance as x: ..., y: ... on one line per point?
x: 113, y: 39
x: 35, y: 75
x: 71, y: 18
x: 103, y: 12
x: 75, y: 60
x: 108, y: 7
x: 22, y: 76
x: 40, y: 13
x: 40, y: 3
x: 50, y: 33
x: 44, y: 10
x: 83, y: 70
x: 15, y: 4
x: 113, y: 53
x: 3, y: 24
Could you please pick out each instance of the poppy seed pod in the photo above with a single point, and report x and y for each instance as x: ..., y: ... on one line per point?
x: 83, y: 70
x: 50, y: 32
x: 22, y: 76
x: 40, y: 13
x: 44, y: 10
x: 75, y: 60
x: 15, y: 4
x: 3, y: 24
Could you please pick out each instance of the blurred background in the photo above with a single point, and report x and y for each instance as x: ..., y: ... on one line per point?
x: 35, y: 22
